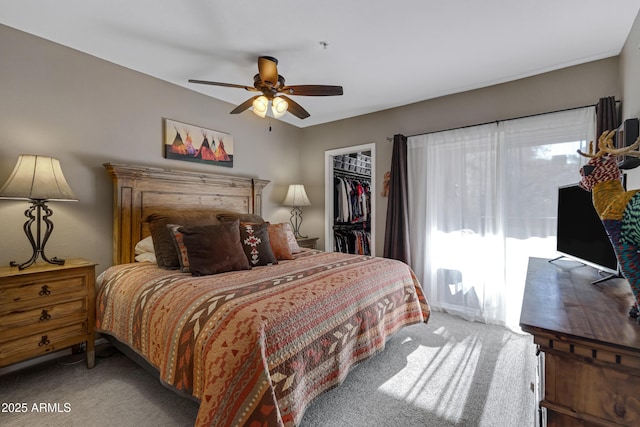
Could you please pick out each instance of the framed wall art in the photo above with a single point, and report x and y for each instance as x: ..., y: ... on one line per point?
x: 191, y: 143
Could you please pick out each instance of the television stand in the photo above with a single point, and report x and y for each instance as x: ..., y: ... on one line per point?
x: 609, y: 277
x: 589, y: 348
x: 595, y: 282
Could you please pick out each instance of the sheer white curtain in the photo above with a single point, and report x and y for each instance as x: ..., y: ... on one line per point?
x: 483, y: 199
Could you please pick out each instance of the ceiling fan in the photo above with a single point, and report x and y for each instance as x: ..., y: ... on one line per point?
x: 273, y: 89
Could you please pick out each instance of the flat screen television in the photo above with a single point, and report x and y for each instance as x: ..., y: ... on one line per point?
x: 580, y: 233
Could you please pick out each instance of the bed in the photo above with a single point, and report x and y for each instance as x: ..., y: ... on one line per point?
x: 254, y: 346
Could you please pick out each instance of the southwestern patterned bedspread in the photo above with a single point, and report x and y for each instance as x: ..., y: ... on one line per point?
x: 256, y: 346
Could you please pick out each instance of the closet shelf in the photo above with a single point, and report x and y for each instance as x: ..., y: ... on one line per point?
x: 360, y: 164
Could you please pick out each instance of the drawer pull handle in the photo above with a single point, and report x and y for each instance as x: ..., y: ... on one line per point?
x: 44, y: 291
x: 45, y: 316
x: 44, y: 341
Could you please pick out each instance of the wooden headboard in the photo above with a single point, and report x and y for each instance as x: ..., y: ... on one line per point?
x: 139, y: 191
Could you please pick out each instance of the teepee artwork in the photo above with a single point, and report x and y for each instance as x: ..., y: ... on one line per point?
x: 197, y: 144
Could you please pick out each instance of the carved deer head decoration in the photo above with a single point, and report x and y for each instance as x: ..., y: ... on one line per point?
x: 619, y: 210
x: 602, y: 165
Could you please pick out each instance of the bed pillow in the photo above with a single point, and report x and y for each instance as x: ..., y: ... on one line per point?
x: 279, y: 243
x: 256, y: 243
x: 146, y: 257
x: 163, y: 244
x: 144, y: 250
x: 178, y: 241
x: 242, y: 217
x: 214, y: 249
x: 291, y: 239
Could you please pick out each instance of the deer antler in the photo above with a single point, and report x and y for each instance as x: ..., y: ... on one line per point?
x: 605, y: 143
x: 631, y: 150
x: 590, y: 153
x: 606, y: 147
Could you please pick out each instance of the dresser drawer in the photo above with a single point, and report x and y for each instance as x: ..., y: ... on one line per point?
x: 20, y: 323
x: 43, y: 342
x: 24, y: 292
x: 590, y: 389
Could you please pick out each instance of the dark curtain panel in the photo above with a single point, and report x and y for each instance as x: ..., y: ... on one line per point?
x: 606, y: 115
x: 396, y: 234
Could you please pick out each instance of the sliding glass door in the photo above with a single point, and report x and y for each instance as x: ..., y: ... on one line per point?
x: 483, y: 200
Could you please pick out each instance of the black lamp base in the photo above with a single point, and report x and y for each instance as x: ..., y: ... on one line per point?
x: 37, y: 243
x: 34, y: 258
x: 296, y: 222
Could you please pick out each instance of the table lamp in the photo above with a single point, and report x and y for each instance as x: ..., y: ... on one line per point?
x: 296, y: 197
x: 37, y: 179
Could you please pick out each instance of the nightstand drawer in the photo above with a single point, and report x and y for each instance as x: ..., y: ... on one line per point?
x: 45, y: 308
x: 20, y: 323
x: 44, y: 342
x: 27, y: 292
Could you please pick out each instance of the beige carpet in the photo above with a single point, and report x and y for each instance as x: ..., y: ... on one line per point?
x: 447, y: 373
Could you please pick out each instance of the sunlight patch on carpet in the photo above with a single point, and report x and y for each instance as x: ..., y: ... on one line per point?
x: 441, y: 376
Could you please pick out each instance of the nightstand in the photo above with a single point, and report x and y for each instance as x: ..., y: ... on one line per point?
x: 46, y: 308
x: 307, y: 242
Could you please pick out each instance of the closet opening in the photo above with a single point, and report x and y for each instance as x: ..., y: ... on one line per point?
x: 349, y: 200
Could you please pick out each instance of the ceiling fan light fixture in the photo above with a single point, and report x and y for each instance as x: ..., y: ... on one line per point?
x: 279, y: 107
x: 274, y: 91
x: 260, y: 105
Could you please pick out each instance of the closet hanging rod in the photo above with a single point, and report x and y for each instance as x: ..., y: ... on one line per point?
x: 348, y: 174
x: 360, y: 225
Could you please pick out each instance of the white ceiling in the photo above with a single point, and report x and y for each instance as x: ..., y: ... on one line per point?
x: 385, y: 54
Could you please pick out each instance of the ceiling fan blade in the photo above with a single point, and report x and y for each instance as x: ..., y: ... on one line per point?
x: 295, y: 108
x: 246, y: 104
x: 206, y: 82
x: 312, y: 90
x: 268, y: 69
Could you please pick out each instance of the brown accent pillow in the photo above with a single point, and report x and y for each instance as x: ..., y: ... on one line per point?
x: 214, y: 249
x: 256, y: 244
x: 163, y: 243
x: 183, y: 257
x: 243, y: 217
x: 279, y: 243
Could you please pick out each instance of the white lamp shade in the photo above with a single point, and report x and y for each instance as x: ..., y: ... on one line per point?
x: 279, y: 107
x: 37, y: 178
x: 260, y: 105
x: 296, y: 196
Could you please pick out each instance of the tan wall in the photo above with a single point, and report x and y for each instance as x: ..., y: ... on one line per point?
x: 59, y: 102
x: 630, y: 84
x: 570, y: 87
x: 629, y: 71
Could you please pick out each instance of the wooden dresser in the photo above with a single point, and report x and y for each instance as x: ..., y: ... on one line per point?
x: 45, y: 308
x: 589, y: 349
